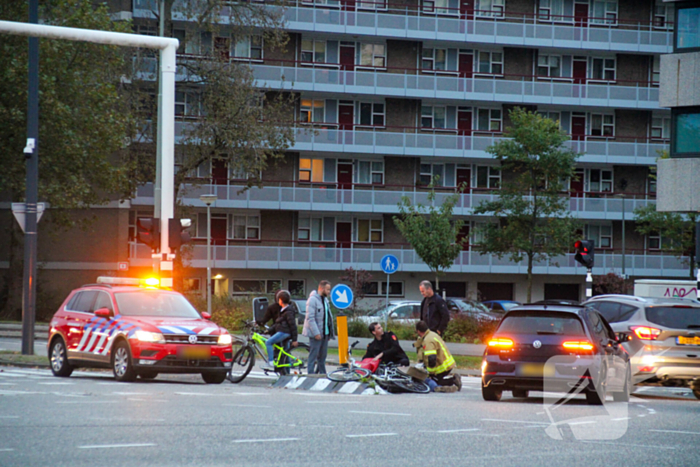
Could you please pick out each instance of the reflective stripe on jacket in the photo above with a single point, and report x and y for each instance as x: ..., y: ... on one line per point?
x: 432, y: 344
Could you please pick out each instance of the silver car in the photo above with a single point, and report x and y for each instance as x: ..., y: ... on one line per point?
x: 662, y: 336
x: 407, y: 312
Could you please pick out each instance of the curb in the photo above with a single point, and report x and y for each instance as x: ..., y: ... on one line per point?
x: 25, y: 365
x: 322, y: 384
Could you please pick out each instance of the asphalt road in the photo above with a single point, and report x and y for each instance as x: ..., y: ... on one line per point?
x: 89, y: 419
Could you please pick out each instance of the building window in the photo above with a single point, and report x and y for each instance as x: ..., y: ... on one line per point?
x: 552, y: 10
x: 655, y: 70
x: 490, y: 8
x: 549, y: 66
x: 369, y: 230
x: 687, y: 28
x: 250, y: 47
x: 604, y: 12
x: 434, y: 59
x: 651, y: 181
x: 432, y: 117
x: 685, y: 128
x: 663, y: 15
x: 270, y: 286
x: 601, y: 235
x: 490, y: 63
x: 371, y: 114
x: 313, y: 51
x: 440, y: 7
x: 311, y: 170
x: 373, y: 55
x: 660, y: 127
x: 600, y: 180
x: 188, y: 103
x: 654, y: 241
x: 378, y: 288
x: 602, y: 125
x: 297, y: 288
x: 312, y: 111
x: 371, y: 4
x: 432, y: 173
x: 244, y: 227
x: 310, y: 229
x: 489, y: 120
x: 369, y: 172
x: 488, y: 177
x: 191, y: 284
x: 603, y: 69
x: 554, y: 116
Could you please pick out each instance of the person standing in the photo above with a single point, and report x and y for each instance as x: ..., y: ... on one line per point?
x: 437, y: 360
x: 318, y: 327
x: 433, y: 309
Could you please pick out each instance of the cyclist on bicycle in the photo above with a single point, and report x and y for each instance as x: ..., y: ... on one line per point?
x: 284, y: 327
x: 385, y: 347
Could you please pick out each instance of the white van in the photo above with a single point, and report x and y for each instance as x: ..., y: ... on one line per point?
x: 665, y: 288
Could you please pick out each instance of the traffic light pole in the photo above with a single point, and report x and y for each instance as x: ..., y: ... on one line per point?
x: 589, y: 283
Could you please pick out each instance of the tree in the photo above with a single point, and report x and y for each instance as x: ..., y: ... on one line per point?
x: 533, y: 219
x: 610, y: 283
x: 676, y: 231
x: 432, y: 232
x: 357, y: 280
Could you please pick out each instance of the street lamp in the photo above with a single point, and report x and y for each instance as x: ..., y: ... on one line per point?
x: 208, y: 200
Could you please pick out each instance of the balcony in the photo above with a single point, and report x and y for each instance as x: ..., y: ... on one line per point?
x: 383, y: 199
x: 411, y: 83
x: 285, y: 256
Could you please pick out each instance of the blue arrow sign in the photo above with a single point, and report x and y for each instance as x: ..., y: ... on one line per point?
x: 389, y: 264
x: 341, y: 296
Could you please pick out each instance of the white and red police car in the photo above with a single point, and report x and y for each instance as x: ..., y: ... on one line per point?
x: 136, y: 329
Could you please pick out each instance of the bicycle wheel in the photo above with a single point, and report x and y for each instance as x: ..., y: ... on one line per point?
x: 299, y: 359
x: 241, y: 365
x: 410, y: 385
x: 343, y: 375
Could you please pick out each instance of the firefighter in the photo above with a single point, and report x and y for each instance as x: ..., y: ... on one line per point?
x: 437, y: 360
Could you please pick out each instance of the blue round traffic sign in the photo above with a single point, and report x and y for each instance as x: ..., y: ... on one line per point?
x: 341, y: 296
x: 389, y: 264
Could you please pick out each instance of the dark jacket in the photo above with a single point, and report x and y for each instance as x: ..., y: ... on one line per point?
x: 271, y: 314
x: 438, y: 315
x: 389, y: 345
x: 286, y: 322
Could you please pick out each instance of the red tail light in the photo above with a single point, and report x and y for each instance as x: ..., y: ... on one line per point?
x: 501, y: 343
x: 646, y: 333
x: 578, y: 346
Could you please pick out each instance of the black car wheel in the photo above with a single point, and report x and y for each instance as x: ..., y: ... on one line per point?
x: 521, y: 393
x: 214, y: 378
x: 59, y: 359
x: 122, y: 366
x: 490, y: 394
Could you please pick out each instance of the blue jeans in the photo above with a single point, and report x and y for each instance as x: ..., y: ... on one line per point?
x: 274, y: 339
x: 432, y: 383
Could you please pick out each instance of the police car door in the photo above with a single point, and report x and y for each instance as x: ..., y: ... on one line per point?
x: 79, y: 316
x: 104, y: 333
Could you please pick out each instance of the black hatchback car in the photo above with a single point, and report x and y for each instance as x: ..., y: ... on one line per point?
x: 569, y: 349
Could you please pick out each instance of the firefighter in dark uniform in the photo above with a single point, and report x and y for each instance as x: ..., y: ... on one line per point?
x: 385, y: 347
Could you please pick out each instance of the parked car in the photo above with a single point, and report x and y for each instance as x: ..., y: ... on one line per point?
x: 404, y: 311
x: 568, y: 349
x: 500, y: 306
x: 470, y: 308
x: 661, y: 334
x: 557, y: 302
x: 300, y: 304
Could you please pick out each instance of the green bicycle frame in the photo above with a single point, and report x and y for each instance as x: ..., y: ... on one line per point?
x: 295, y: 362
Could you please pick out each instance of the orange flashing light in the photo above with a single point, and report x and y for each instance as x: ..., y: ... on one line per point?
x: 501, y: 343
x: 152, y: 282
x: 578, y: 345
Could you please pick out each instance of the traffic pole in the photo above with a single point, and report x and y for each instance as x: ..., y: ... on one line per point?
x: 697, y: 260
x: 589, y: 283
x: 342, y: 326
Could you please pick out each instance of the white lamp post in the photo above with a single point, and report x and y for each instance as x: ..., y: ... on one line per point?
x: 208, y: 200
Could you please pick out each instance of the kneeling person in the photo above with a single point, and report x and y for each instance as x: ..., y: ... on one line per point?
x: 385, y: 347
x: 438, y: 361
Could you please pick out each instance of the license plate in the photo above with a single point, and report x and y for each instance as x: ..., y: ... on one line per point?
x: 536, y: 369
x: 688, y: 340
x: 195, y: 352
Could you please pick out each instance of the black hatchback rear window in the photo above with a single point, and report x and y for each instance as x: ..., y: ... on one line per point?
x: 674, y: 317
x: 542, y: 322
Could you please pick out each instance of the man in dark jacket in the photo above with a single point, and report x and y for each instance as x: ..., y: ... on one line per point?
x: 385, y: 347
x: 285, y: 327
x: 433, y: 309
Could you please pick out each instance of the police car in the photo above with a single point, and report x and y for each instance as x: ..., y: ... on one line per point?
x: 137, y: 329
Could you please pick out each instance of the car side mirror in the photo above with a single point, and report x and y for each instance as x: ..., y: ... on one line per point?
x: 206, y: 315
x: 393, y: 315
x: 622, y: 337
x: 103, y: 313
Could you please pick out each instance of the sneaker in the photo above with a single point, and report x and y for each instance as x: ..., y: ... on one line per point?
x: 446, y: 389
x: 267, y: 367
x: 458, y: 382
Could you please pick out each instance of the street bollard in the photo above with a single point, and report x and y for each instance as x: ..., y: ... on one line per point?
x: 342, y: 326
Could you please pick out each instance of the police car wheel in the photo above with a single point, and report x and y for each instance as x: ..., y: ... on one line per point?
x: 148, y: 375
x: 59, y: 359
x: 214, y: 378
x: 122, y: 367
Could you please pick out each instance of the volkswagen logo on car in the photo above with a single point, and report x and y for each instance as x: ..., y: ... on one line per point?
x: 193, y: 339
x: 536, y: 344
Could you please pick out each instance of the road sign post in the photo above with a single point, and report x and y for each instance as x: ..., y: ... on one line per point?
x: 389, y: 264
x: 341, y: 298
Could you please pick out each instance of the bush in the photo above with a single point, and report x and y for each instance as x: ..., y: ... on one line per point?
x: 228, y: 312
x: 357, y: 328
x: 468, y: 330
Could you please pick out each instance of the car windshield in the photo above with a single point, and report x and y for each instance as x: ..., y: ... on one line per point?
x: 674, y: 317
x: 541, y: 322
x: 154, y: 303
x: 382, y: 310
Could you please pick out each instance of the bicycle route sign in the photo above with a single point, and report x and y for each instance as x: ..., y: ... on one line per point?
x: 389, y: 264
x: 341, y: 296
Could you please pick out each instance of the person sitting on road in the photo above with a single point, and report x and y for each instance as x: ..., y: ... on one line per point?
x: 385, y: 347
x: 437, y: 360
x: 285, y: 327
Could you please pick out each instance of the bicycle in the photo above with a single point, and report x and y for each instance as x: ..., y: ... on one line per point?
x: 389, y: 377
x: 352, y: 372
x: 286, y: 361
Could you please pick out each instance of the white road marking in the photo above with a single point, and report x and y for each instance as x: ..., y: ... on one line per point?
x: 513, y: 421
x: 458, y: 431
x: 677, y: 431
x: 6, y: 449
x: 86, y: 402
x: 9, y: 416
x: 248, y: 405
x: 380, y: 413
x: 582, y: 423
x: 264, y: 440
x: 57, y: 383
x: 130, y: 393
x: 371, y: 435
x: 108, y: 446
x: 631, y: 445
x: 135, y: 399
x: 620, y: 419
x: 332, y: 402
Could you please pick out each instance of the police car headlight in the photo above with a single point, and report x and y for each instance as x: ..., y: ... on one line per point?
x: 224, y: 339
x: 146, y: 336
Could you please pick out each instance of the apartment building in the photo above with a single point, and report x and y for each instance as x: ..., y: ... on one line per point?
x: 393, y: 94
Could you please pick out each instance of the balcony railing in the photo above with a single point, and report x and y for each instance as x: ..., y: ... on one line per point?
x: 285, y: 257
x: 328, y: 197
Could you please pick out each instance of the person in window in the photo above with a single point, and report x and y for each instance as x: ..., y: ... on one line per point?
x: 285, y: 327
x: 385, y: 347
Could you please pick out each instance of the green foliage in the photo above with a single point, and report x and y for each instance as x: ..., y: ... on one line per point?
x: 228, y: 312
x: 677, y: 231
x: 432, y: 231
x: 462, y: 329
x: 610, y: 283
x: 531, y: 211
